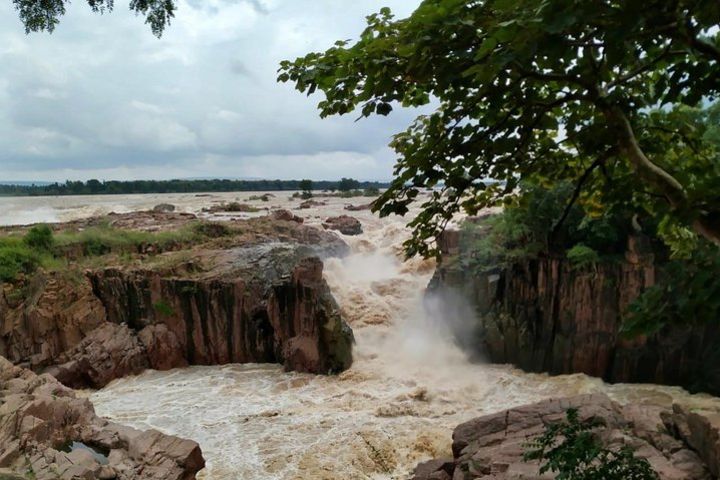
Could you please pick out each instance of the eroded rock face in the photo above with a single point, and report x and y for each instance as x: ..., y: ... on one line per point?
x: 344, y: 224
x: 546, y: 315
x: 49, y: 433
x: 492, y: 446
x: 263, y: 304
x: 256, y: 296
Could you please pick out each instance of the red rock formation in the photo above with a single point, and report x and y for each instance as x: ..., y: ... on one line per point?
x: 52, y: 315
x: 45, y: 429
x: 492, y: 447
x: 257, y: 295
x: 547, y: 315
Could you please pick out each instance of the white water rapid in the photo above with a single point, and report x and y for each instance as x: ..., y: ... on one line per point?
x: 408, y: 388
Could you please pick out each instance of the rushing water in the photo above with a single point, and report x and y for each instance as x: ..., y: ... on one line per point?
x: 407, y: 389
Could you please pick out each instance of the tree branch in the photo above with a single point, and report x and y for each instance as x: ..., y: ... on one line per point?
x: 576, y: 193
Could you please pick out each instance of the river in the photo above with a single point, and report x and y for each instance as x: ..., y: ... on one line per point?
x: 408, y: 388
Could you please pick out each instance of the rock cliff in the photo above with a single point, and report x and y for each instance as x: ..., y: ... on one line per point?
x: 255, y: 296
x: 547, y: 315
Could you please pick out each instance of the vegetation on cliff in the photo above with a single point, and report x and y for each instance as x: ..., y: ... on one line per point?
x: 41, y: 247
x: 688, y: 284
x: 589, y: 92
x: 572, y: 450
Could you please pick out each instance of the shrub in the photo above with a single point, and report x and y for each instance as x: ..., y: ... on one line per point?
x: 212, y: 229
x: 16, y: 259
x: 581, y: 255
x: 40, y: 237
x: 572, y: 450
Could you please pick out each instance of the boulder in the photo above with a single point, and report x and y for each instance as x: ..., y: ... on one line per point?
x: 345, y: 224
x: 45, y: 427
x: 310, y: 204
x: 164, y: 207
x: 285, y: 216
x: 492, y: 446
x: 110, y: 351
x: 357, y: 208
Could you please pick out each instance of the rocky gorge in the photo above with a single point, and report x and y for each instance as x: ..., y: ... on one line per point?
x: 548, y: 315
x: 216, y: 331
x: 244, y: 292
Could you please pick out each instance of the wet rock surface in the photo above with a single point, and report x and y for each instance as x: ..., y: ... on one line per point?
x: 345, y: 224
x: 47, y: 432
x: 255, y: 294
x: 492, y: 446
x: 358, y: 208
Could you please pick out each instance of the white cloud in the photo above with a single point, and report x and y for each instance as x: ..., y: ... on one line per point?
x: 102, y: 97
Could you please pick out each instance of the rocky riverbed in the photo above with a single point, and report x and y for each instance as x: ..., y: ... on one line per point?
x: 408, y: 388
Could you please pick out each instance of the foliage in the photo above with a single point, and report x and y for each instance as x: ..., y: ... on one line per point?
x: 548, y: 90
x: 572, y: 450
x: 538, y: 222
x: 581, y: 255
x: 16, y: 259
x: 40, y: 237
x: 101, y: 240
x: 348, y: 184
x: 306, y: 186
x: 687, y: 292
x: 95, y: 187
x: 44, y: 15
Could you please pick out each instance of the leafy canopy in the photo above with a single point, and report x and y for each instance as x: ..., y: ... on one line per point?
x: 44, y: 15
x: 546, y: 90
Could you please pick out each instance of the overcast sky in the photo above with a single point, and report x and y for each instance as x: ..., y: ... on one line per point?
x: 103, y: 98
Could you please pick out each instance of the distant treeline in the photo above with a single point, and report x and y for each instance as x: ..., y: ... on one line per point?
x: 96, y: 187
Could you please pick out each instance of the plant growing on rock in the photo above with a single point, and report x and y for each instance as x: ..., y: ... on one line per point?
x: 572, y: 449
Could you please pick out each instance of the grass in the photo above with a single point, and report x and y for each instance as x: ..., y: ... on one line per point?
x: 102, y: 240
x: 41, y: 248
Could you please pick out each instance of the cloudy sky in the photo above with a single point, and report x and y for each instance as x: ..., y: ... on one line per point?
x: 103, y: 98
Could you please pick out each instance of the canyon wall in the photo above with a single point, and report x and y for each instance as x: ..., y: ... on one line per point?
x: 260, y: 303
x: 547, y: 315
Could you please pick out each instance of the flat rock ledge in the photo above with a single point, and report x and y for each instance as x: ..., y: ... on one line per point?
x: 679, y: 444
x: 47, y: 432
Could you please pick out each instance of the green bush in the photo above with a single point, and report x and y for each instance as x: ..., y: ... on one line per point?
x: 540, y: 222
x: 16, y: 259
x: 40, y: 237
x: 581, y: 255
x: 571, y: 449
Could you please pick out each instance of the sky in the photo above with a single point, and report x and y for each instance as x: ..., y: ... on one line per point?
x: 103, y: 98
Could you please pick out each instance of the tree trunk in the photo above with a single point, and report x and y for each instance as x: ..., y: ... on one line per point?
x: 706, y: 224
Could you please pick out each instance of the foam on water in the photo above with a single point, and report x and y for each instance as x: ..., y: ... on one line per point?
x: 408, y: 388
